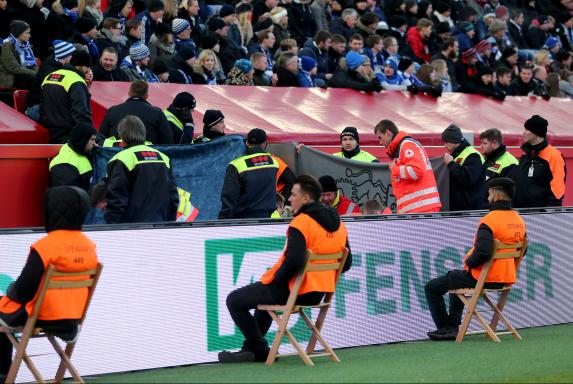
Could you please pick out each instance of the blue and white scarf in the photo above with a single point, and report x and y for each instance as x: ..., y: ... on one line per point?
x: 71, y: 14
x: 24, y: 52
x: 92, y: 47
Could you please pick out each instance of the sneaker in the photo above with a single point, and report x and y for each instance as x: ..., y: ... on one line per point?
x: 241, y: 356
x: 442, y: 334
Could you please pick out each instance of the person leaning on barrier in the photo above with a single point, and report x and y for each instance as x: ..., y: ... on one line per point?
x: 315, y: 227
x: 350, y: 141
x: 498, y: 161
x: 250, y: 181
x: 503, y: 224
x: 332, y: 197
x: 411, y: 173
x: 180, y: 117
x: 141, y: 187
x: 73, y: 164
x: 69, y: 250
x: 467, y: 174
x: 213, y: 126
x: 540, y: 180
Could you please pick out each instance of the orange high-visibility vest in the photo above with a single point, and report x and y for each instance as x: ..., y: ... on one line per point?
x: 509, y: 228
x: 282, y: 167
x: 318, y: 241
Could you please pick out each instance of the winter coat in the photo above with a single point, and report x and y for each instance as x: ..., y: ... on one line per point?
x: 10, y: 66
x: 343, y: 78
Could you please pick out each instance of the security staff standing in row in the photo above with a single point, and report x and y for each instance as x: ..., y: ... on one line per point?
x: 498, y: 161
x: 180, y: 118
x: 213, y: 126
x: 250, y: 182
x: 350, y: 142
x: 66, y: 99
x: 73, y: 164
x: 141, y: 187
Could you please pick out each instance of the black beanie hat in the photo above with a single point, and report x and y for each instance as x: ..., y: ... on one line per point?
x: 504, y: 184
x: 537, y: 125
x: 352, y: 132
x: 80, y: 135
x: 328, y: 183
x: 17, y: 27
x: 405, y: 63
x: 160, y: 67
x: 184, y: 100
x: 485, y: 70
x: 155, y: 5
x: 84, y: 25
x: 452, y: 134
x: 212, y: 117
x: 443, y: 27
x: 256, y: 136
x: 81, y: 58
x: 186, y: 52
x: 262, y: 25
x: 65, y: 207
x: 69, y: 4
x: 209, y: 41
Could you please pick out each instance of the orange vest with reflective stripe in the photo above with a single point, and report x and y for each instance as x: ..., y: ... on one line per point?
x: 282, y: 167
x: 68, y: 251
x: 509, y: 228
x: 413, y: 180
x: 320, y: 242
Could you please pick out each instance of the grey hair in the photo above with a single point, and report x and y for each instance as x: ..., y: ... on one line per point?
x: 131, y: 130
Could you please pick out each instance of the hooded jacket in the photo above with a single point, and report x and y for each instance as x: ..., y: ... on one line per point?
x: 467, y: 180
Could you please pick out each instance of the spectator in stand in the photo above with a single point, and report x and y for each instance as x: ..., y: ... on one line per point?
x: 350, y: 142
x: 260, y: 76
x: 317, y: 48
x: 244, y: 13
x: 467, y: 66
x: 331, y: 197
x: 482, y: 84
x: 301, y: 22
x: 213, y: 126
x: 62, y: 55
x: 509, y: 60
x: 553, y: 45
x: 141, y: 187
x: 34, y: 13
x: 60, y: 21
x: 499, y: 39
x: 287, y: 70
x: 537, y: 35
x: 182, y: 30
x: 515, y: 28
x: 161, y: 44
x: 540, y: 180
x: 411, y: 12
x: 265, y: 42
x: 65, y: 97
x: 229, y: 15
x: 206, y: 69
x: 120, y: 10
x: 374, y: 51
x: 465, y: 33
x: 307, y: 72
x: 346, y: 24
x: 261, y: 7
x: 241, y: 73
x: 442, y: 13
x: 543, y: 58
x: 355, y: 74
x: 156, y: 125
x: 503, y: 75
x: 179, y: 114
x: 412, y: 177
x: 279, y: 16
x: 449, y: 54
x: 498, y: 161
x: 392, y: 79
x: 110, y: 36
x: 152, y: 16
x: 442, y: 75
x: 356, y: 43
x: 443, y: 31
x: 417, y: 37
x: 321, y: 13
x: 73, y: 164
x: 83, y: 38
x: 336, y: 52
x: 467, y: 174
x: 106, y: 68
x: 90, y: 9
x: 566, y: 82
x: 562, y: 61
x: 523, y: 85
x: 229, y: 53
x: 427, y: 85
x: 367, y: 25
x: 189, y: 10
x: 17, y: 61
x: 161, y: 70
x: 133, y: 32
x: 181, y: 66
x: 564, y: 30
x: 484, y: 54
x: 136, y: 68
x: 539, y: 81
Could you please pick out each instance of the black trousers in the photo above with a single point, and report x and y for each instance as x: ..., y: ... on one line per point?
x: 436, y: 289
x: 255, y: 327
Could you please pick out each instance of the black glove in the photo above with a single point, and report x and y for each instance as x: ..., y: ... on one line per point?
x: 436, y: 91
x: 499, y: 96
x: 546, y: 96
x: 376, y: 86
x: 413, y: 89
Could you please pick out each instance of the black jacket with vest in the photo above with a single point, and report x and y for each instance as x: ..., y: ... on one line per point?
x: 467, y: 181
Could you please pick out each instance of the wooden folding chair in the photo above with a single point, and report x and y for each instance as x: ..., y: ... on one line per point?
x: 314, y: 263
x: 52, y: 280
x: 471, y: 296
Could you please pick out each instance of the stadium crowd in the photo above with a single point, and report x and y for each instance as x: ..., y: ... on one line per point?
x: 488, y: 47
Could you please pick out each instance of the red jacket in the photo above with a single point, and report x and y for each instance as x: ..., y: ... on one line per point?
x: 417, y: 44
x: 345, y: 206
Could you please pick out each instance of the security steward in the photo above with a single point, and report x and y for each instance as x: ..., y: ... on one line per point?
x: 180, y: 118
x: 66, y: 247
x: 540, y: 180
x: 285, y: 178
x: 350, y: 141
x: 467, y: 174
x: 503, y: 224
x: 73, y: 164
x: 141, y: 187
x: 315, y: 227
x: 66, y: 99
x: 213, y: 126
x: 250, y: 182
x: 498, y: 161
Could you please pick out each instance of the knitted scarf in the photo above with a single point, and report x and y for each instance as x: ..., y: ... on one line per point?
x: 24, y: 52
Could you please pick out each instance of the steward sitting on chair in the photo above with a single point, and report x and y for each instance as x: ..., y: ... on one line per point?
x: 315, y: 227
x: 503, y: 224
x: 69, y: 250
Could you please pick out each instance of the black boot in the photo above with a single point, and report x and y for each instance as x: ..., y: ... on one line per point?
x: 442, y: 334
x: 242, y: 356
